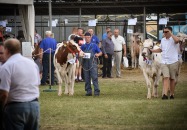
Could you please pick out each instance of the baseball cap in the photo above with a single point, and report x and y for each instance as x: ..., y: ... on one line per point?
x: 87, y: 34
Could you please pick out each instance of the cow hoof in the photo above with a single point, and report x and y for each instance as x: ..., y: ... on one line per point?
x: 70, y: 94
x: 148, y: 96
x: 156, y: 96
x: 59, y: 94
x: 66, y: 93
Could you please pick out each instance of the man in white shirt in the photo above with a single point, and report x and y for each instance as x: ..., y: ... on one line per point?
x: 119, y: 44
x: 19, y: 92
x: 169, y: 64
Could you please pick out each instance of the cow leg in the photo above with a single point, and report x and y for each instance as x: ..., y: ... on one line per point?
x: 155, y: 86
x: 59, y: 83
x: 135, y: 62
x: 132, y: 57
x: 66, y: 82
x: 72, y: 81
x: 132, y: 60
x: 148, y: 84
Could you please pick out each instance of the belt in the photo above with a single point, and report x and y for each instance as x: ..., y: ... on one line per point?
x: 36, y: 99
x: 117, y: 51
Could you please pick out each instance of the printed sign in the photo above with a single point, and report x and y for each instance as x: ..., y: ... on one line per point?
x: 86, y: 56
x: 162, y: 21
x: 92, y: 22
x: 132, y: 21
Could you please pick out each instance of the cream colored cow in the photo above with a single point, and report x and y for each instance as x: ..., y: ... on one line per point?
x: 150, y: 64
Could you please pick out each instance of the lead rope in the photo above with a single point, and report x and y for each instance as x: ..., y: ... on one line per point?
x: 91, y: 66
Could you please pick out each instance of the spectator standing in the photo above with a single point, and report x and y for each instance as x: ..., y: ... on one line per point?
x: 80, y: 41
x: 37, y: 51
x: 89, y: 63
x: 108, y: 51
x: 2, y: 59
x: 74, y: 33
x: 169, y: 64
x: 105, y: 34
x: 94, y: 38
x: 119, y: 44
x: 47, y: 44
x: 19, y: 90
x: 1, y: 33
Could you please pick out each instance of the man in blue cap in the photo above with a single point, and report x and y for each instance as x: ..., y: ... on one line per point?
x: 92, y: 52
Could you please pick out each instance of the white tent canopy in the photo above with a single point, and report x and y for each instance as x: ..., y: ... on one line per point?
x: 27, y: 14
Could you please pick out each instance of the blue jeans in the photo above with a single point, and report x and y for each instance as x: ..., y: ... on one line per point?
x: 88, y: 75
x: 22, y: 116
x: 45, y: 62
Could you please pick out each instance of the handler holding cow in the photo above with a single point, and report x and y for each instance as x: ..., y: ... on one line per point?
x: 169, y: 62
x: 89, y: 64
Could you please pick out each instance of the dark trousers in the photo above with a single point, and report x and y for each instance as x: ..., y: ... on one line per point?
x: 22, y: 116
x: 107, y: 65
x: 45, y: 63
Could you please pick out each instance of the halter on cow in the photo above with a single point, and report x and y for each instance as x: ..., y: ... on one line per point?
x: 150, y: 65
x: 65, y: 64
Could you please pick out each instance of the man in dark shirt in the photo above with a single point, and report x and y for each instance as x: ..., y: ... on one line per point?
x: 108, y: 51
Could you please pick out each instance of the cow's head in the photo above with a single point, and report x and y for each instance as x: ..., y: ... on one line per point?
x: 73, y: 48
x: 136, y: 38
x: 65, y: 49
x: 147, y: 45
x: 182, y: 38
x: 182, y: 41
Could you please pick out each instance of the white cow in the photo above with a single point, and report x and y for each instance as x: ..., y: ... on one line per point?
x: 181, y: 47
x: 150, y: 64
x: 65, y: 64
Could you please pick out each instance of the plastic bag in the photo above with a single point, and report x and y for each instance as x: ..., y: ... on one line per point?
x: 125, y: 62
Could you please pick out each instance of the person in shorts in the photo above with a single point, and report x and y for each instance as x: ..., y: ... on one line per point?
x: 169, y: 64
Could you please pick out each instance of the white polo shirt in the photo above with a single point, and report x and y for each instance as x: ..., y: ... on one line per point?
x: 169, y: 51
x: 20, y: 77
x: 118, y: 42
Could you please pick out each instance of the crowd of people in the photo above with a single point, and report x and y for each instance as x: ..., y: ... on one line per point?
x: 19, y: 91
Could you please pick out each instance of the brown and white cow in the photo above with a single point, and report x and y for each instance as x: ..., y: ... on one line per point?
x: 135, y: 43
x: 150, y: 64
x: 65, y: 64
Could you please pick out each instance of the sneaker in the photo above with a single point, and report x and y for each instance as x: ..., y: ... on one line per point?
x: 171, y: 97
x: 164, y: 97
x: 76, y: 80
x: 81, y: 80
x: 110, y: 77
x: 43, y: 84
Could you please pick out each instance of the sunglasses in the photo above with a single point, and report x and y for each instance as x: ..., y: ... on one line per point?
x: 165, y: 31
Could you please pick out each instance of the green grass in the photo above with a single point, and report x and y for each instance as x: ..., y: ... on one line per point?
x: 122, y: 105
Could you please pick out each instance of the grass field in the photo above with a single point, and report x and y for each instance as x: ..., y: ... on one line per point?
x: 122, y: 105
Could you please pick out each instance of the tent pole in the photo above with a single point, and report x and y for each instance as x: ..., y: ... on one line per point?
x: 80, y: 17
x: 144, y: 22
x: 50, y: 16
x: 15, y: 26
